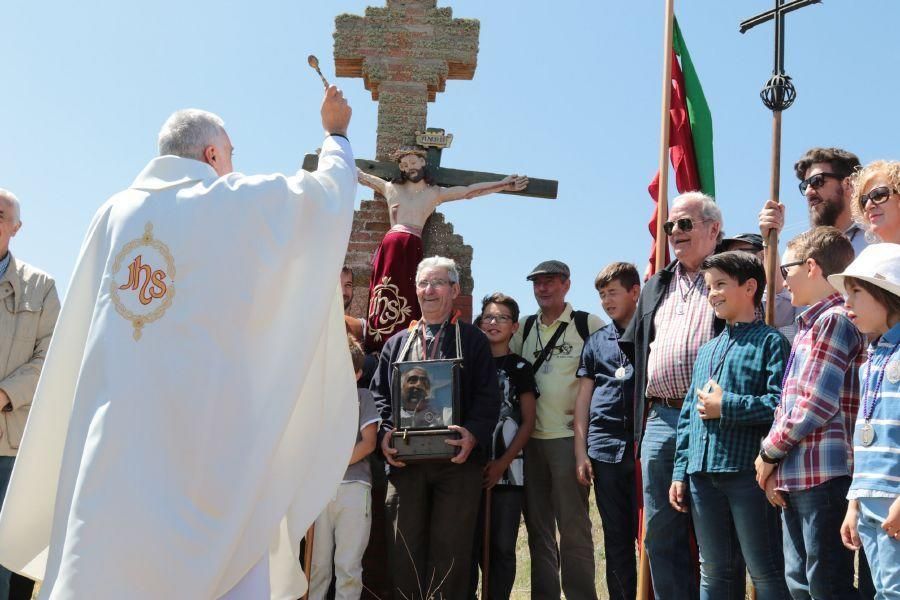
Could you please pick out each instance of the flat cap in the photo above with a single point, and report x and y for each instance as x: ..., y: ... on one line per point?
x: 754, y: 239
x: 549, y: 267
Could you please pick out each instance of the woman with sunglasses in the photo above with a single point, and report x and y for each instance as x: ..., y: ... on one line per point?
x: 876, y: 199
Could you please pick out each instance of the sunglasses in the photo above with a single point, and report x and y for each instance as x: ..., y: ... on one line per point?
x: 877, y: 196
x: 783, y: 268
x: 816, y: 181
x: 684, y: 225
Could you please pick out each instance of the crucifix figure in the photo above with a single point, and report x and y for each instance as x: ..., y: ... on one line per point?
x: 778, y: 95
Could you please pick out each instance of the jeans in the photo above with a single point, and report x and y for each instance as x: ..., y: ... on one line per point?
x: 506, y: 515
x: 732, y: 518
x: 554, y: 499
x: 816, y: 564
x: 667, y: 539
x: 614, y: 490
x: 882, y: 548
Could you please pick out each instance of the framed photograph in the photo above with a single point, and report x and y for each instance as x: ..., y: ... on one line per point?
x: 425, y: 394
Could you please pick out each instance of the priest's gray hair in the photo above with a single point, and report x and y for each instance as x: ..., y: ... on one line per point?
x: 439, y: 262
x: 188, y: 132
x: 709, y: 210
x: 11, y: 198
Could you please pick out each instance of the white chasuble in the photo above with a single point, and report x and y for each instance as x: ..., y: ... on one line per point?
x: 197, y: 407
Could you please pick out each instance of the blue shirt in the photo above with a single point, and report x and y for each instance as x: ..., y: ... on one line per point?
x: 876, y: 471
x: 4, y: 264
x: 747, y: 360
x: 609, y: 425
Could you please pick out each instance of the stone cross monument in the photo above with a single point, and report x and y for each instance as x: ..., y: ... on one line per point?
x: 404, y: 52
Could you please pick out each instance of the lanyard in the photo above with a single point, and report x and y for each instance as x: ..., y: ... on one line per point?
x: 869, y: 402
x: 716, y: 372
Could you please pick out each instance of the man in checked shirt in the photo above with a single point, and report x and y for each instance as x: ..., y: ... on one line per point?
x: 806, y: 460
x: 672, y: 320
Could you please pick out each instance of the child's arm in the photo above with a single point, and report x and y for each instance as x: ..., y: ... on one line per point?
x: 747, y: 409
x: 366, y: 445
x: 495, y: 468
x: 583, y: 469
x: 820, y: 381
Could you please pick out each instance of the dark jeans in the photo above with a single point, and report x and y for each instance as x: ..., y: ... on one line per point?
x: 817, y: 565
x: 506, y: 515
x: 431, y: 511
x: 614, y: 490
x: 732, y: 517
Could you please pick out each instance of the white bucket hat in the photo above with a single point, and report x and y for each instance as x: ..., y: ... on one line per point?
x: 879, y: 264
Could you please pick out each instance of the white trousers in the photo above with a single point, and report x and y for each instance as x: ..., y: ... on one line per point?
x: 342, y: 534
x: 254, y: 585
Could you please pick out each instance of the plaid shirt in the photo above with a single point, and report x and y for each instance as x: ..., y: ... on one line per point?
x: 813, y: 427
x: 684, y: 322
x: 747, y: 360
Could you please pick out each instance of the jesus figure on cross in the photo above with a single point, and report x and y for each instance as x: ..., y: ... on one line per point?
x: 411, y: 199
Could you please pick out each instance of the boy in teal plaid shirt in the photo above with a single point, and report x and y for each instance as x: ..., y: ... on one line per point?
x: 729, y: 407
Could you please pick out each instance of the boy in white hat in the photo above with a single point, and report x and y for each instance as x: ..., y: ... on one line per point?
x: 871, y: 285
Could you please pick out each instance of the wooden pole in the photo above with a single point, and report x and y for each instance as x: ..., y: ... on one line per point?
x: 486, y: 549
x: 307, y: 557
x: 662, y: 214
x: 772, y: 238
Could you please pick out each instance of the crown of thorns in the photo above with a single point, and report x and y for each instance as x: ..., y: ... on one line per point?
x: 406, y: 150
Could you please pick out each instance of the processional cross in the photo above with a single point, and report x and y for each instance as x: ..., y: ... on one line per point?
x: 778, y: 95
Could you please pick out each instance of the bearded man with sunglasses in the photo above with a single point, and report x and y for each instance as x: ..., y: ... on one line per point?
x: 671, y: 322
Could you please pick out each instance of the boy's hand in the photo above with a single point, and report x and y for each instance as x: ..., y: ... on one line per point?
x: 849, y: 531
x: 676, y: 496
x: 774, y: 496
x: 492, y: 473
x: 583, y: 469
x: 465, y: 443
x: 390, y: 451
x: 709, y: 401
x: 764, y: 470
x: 892, y: 523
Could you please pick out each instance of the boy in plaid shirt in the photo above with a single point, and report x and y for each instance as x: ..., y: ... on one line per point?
x: 735, y: 388
x: 806, y: 459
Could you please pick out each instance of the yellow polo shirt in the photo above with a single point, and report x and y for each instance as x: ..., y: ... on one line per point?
x: 556, y: 378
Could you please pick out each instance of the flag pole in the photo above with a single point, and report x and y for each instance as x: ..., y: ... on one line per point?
x: 662, y: 215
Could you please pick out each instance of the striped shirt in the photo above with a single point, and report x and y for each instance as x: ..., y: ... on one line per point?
x: 877, y: 469
x: 683, y: 323
x: 747, y: 360
x: 814, y: 421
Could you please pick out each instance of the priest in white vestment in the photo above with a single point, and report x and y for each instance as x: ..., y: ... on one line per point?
x: 197, y: 407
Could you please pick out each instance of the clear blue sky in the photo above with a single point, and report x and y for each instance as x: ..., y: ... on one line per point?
x: 567, y: 90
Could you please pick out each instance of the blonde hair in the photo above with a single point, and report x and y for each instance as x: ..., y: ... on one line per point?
x: 860, y: 179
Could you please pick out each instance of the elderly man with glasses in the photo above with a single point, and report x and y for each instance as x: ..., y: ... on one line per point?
x: 432, y: 507
x: 672, y: 320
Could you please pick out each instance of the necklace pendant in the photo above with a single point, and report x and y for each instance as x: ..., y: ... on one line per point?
x: 867, y: 436
x: 620, y: 373
x: 680, y: 309
x: 546, y: 368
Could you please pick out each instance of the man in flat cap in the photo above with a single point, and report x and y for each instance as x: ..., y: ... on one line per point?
x: 552, y: 339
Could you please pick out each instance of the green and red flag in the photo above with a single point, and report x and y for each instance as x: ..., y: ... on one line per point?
x: 690, y: 134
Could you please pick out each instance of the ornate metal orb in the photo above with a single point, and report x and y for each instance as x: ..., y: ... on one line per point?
x: 779, y: 93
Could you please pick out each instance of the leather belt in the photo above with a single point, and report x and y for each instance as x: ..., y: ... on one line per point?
x: 667, y: 402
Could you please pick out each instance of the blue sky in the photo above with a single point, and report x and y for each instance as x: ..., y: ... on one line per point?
x: 567, y: 90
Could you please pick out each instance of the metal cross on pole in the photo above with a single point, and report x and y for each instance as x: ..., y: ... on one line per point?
x: 778, y: 95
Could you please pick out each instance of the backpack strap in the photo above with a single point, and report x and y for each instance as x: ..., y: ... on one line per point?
x: 529, y: 325
x: 581, y: 324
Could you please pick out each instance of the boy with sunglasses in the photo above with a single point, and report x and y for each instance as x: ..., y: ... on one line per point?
x: 806, y: 459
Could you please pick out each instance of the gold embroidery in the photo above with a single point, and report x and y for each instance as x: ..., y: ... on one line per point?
x: 387, y: 309
x: 154, y: 287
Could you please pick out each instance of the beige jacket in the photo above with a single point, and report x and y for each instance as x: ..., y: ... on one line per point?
x: 28, y: 314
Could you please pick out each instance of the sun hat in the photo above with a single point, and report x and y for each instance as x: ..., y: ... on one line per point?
x: 879, y: 264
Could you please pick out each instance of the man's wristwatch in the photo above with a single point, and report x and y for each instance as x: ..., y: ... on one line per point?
x: 768, y: 459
